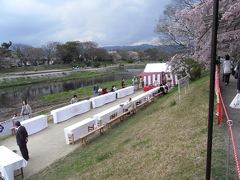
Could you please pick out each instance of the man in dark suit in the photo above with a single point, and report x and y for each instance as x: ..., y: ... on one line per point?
x: 22, y: 138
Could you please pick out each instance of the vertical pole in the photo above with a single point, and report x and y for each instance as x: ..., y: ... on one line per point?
x: 211, y: 92
x: 179, y: 91
x: 185, y: 85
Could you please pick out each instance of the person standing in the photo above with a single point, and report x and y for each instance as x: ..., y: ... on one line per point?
x: 133, y: 81
x: 123, y: 83
x: 155, y: 83
x: 226, y: 69
x: 237, y: 76
x: 22, y: 139
x: 74, y: 99
x: 129, y: 106
x: 95, y: 90
x: 141, y: 83
x: 26, y: 109
x: 113, y: 89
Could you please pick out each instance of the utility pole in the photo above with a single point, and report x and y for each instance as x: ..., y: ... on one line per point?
x: 212, y: 87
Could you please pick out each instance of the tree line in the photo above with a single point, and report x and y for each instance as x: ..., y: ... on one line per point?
x: 75, y: 53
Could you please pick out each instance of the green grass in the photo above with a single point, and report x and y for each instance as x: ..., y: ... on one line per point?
x: 39, y: 68
x: 166, y: 140
x: 81, y: 92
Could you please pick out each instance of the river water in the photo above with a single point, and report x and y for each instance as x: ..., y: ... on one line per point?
x: 11, y: 98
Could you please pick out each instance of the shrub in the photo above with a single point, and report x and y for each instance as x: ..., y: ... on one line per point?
x: 96, y: 64
x: 172, y: 103
x: 195, y: 68
x: 88, y: 63
x: 130, y: 61
x: 184, y: 66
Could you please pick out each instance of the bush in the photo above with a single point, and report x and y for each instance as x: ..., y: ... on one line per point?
x: 184, y: 66
x: 96, y: 64
x: 88, y: 63
x: 130, y: 61
x: 195, y: 68
x: 172, y: 103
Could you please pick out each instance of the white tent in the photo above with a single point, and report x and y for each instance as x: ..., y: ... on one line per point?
x: 156, y: 67
x: 158, y: 73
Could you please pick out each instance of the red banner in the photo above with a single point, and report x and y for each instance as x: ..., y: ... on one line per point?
x: 217, y: 91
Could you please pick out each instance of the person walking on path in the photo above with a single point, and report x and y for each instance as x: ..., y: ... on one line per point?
x: 226, y: 69
x: 22, y: 139
x: 26, y: 110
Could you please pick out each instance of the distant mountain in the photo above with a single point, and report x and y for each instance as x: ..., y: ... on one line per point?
x: 166, y: 48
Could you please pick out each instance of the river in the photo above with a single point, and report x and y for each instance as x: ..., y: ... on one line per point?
x: 11, y: 98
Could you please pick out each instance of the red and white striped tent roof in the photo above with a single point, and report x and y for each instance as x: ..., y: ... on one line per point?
x: 157, y: 71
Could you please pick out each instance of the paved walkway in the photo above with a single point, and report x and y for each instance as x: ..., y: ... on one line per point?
x: 49, y: 145
x: 228, y: 93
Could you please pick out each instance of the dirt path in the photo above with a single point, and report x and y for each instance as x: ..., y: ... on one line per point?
x: 49, y: 145
x: 228, y: 93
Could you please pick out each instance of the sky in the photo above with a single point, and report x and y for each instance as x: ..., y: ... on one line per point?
x: 107, y: 22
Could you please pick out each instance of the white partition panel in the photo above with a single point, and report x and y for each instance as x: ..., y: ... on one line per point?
x: 103, y: 99
x: 66, y: 112
x: 78, y: 129
x: 154, y: 90
x: 104, y: 116
x: 36, y: 124
x: 125, y: 91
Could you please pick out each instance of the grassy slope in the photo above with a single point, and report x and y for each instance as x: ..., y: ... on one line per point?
x: 163, y: 141
x: 83, y: 92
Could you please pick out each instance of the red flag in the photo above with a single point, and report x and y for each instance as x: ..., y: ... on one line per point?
x: 217, y: 91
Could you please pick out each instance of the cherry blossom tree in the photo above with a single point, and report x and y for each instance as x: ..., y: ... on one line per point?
x: 192, y: 28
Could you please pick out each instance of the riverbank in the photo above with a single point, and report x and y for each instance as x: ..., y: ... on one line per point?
x: 56, y: 77
x: 77, y: 82
x: 165, y: 140
x: 44, y: 104
x: 63, y: 98
x: 25, y: 77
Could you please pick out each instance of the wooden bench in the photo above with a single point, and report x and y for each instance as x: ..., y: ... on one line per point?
x: 151, y: 99
x: 83, y: 139
x: 13, y: 130
x: 139, y: 106
x: 20, y: 173
x: 121, y: 117
x: 158, y: 94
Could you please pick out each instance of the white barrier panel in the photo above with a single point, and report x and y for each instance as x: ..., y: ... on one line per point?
x: 125, y: 91
x: 36, y: 124
x: 154, y: 90
x: 142, y: 97
x: 6, y: 126
x: 78, y: 129
x: 138, y: 100
x: 104, y: 116
x: 103, y: 99
x: 9, y: 162
x: 66, y: 112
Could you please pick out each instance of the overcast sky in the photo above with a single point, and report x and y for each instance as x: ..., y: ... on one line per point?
x: 107, y: 22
